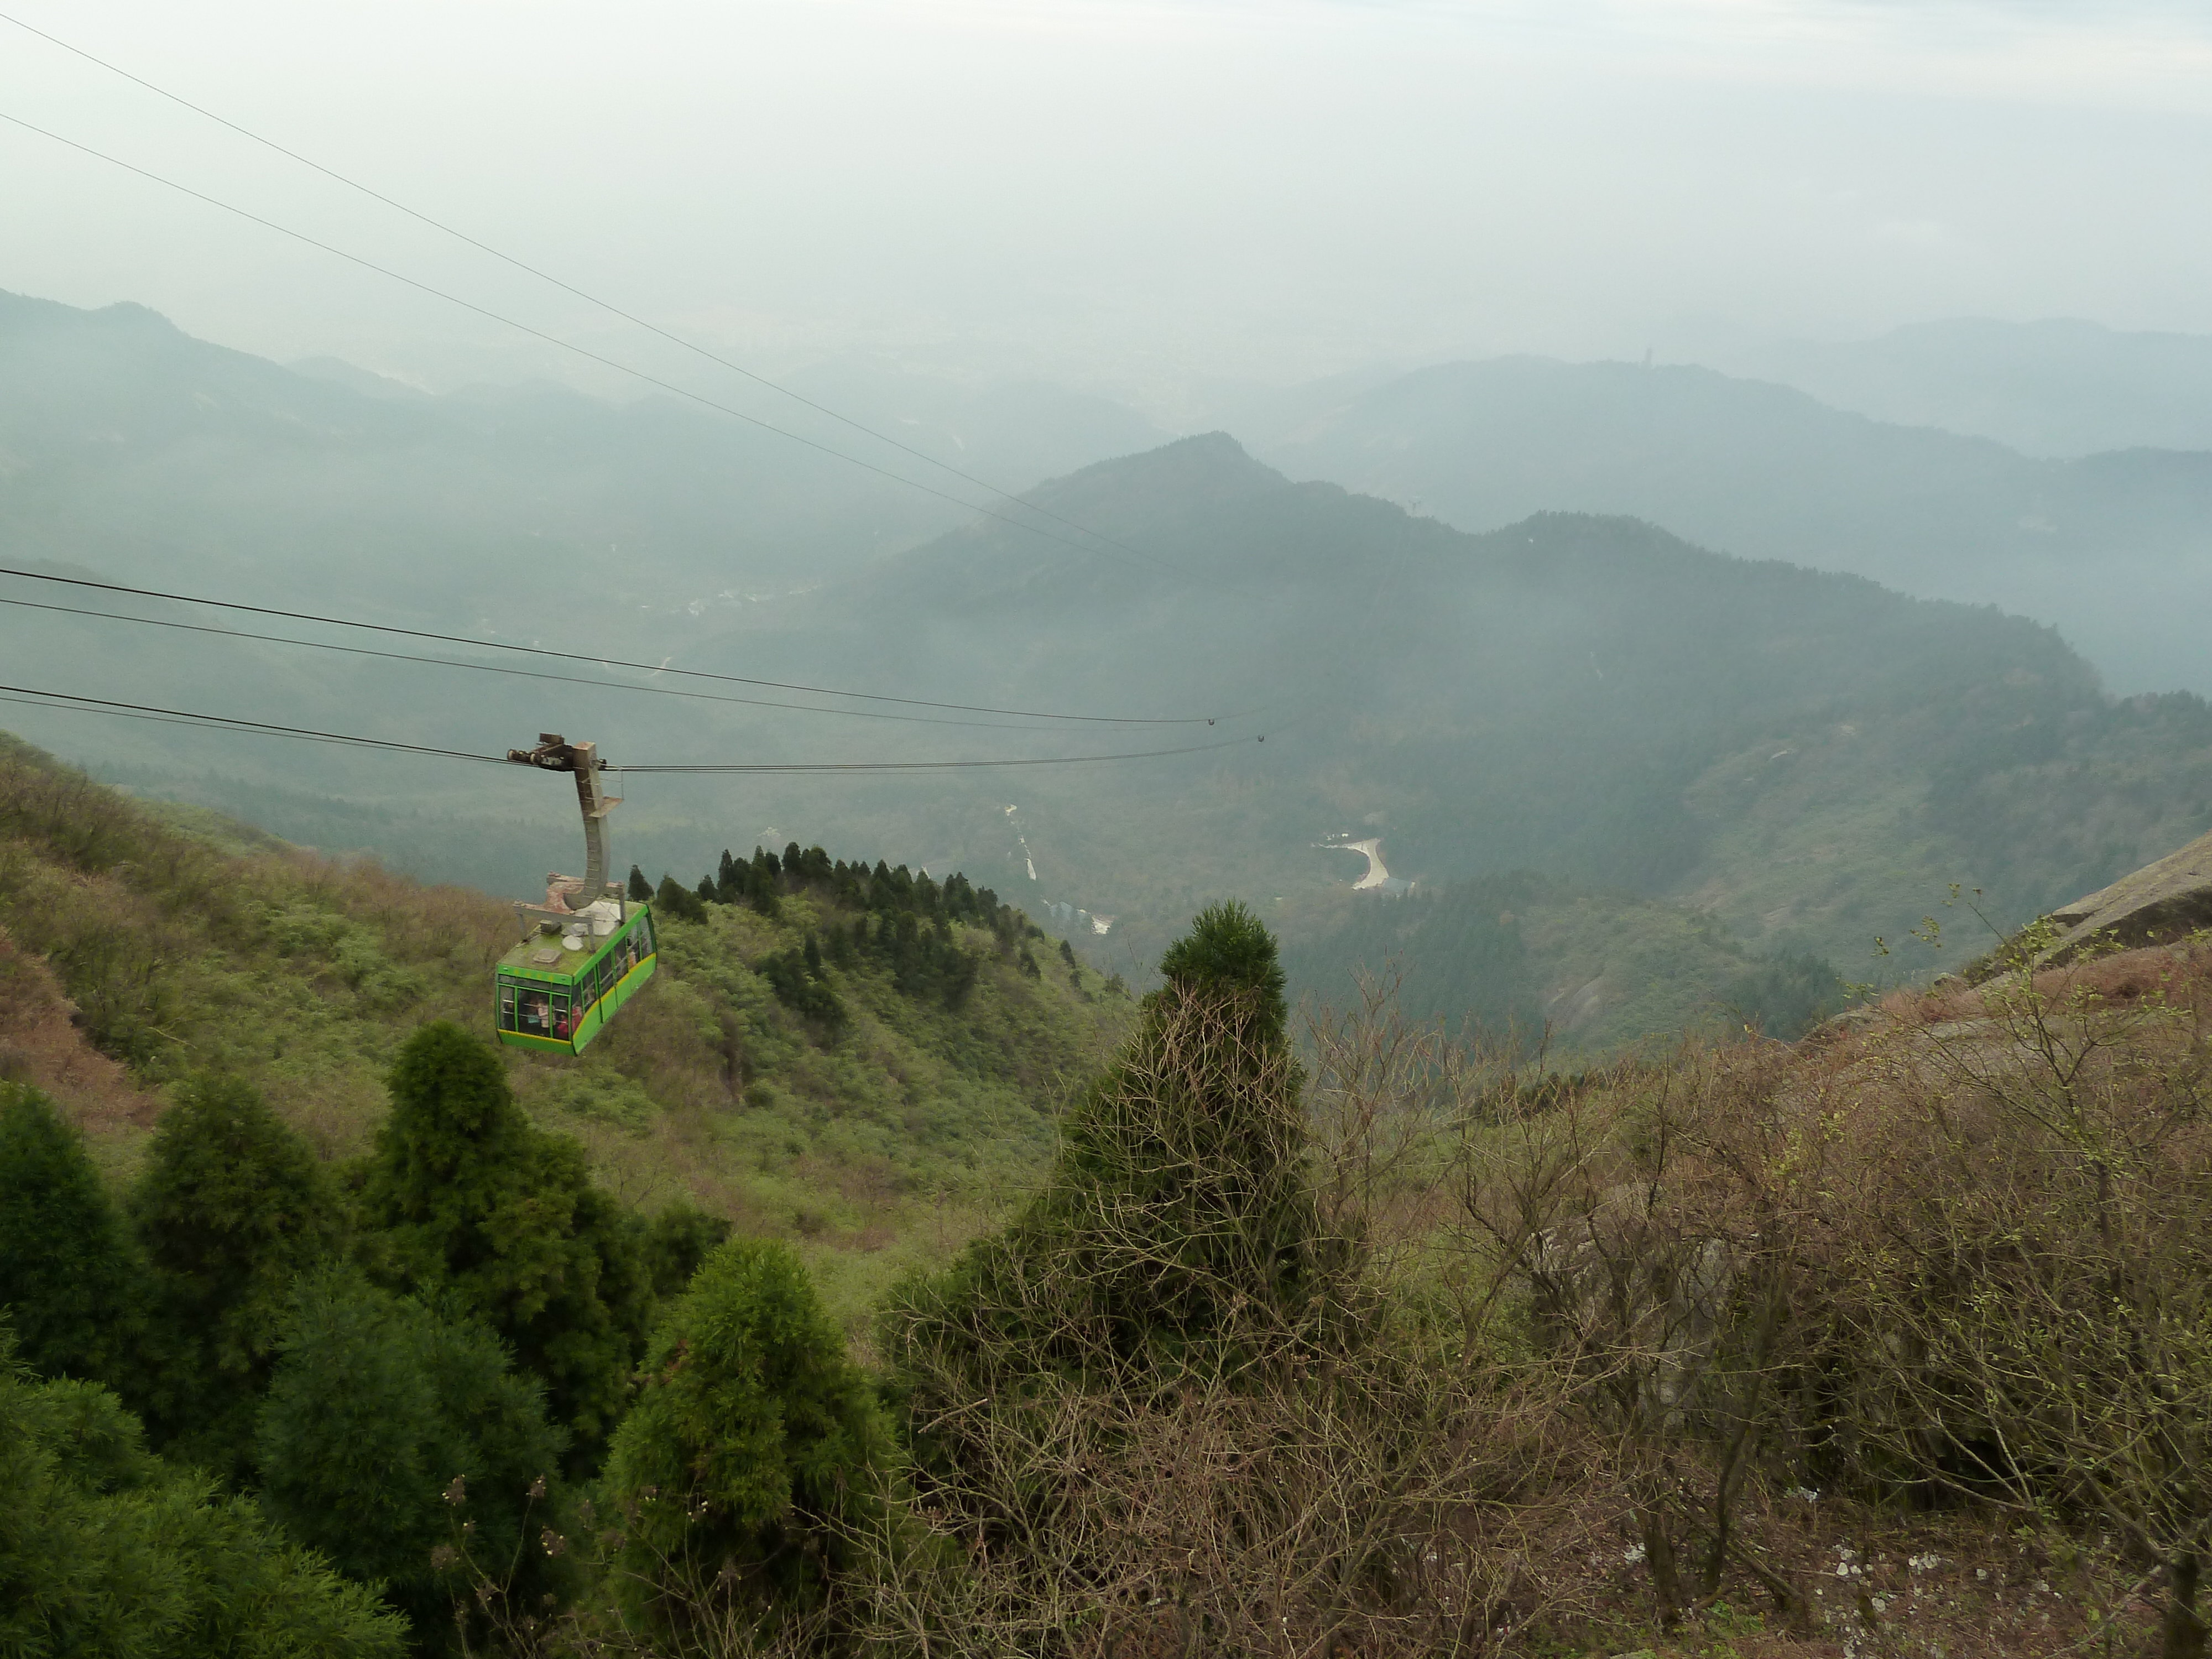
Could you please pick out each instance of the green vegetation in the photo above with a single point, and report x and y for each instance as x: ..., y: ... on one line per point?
x: 231, y: 1207
x: 395, y: 1436
x: 872, y: 1145
x: 71, y: 1289
x: 1311, y: 1339
x: 467, y: 1199
x: 1533, y: 962
x: 753, y: 1457
x: 106, y: 1549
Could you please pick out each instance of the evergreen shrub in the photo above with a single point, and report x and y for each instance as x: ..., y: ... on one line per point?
x: 397, y: 1439
x: 754, y: 1456
x: 67, y: 1278
x: 106, y: 1550
x: 1175, y: 1229
x: 231, y: 1208
x: 467, y: 1198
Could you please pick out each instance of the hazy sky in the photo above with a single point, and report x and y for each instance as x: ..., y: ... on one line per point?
x: 1131, y: 194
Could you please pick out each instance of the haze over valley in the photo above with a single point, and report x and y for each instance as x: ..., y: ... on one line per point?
x: 1806, y: 760
x: 1395, y: 826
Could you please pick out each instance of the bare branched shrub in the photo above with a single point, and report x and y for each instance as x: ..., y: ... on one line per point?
x: 1656, y: 1226
x: 2030, y: 1283
x: 1198, y: 1398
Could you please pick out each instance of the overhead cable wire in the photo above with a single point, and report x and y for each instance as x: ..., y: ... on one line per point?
x: 607, y: 305
x: 71, y: 701
x: 227, y: 723
x: 610, y: 662
x: 519, y: 673
x: 747, y: 767
x: 669, y: 387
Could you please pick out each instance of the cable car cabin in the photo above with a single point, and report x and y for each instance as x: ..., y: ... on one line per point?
x: 557, y: 990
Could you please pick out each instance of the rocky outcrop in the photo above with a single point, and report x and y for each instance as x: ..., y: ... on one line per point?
x: 2161, y: 903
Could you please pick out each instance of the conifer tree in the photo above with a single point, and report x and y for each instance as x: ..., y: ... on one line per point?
x: 754, y: 1450
x: 404, y: 1445
x: 231, y: 1208
x: 68, y: 1281
x: 107, y: 1550
x: 640, y: 890
x: 677, y: 1241
x: 676, y: 901
x: 1175, y: 1229
x: 470, y: 1199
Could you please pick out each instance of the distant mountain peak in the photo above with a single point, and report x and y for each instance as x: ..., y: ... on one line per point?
x: 19, y: 313
x: 1208, y: 461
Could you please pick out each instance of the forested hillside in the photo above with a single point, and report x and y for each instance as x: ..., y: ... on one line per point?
x: 865, y: 1062
x: 1806, y: 759
x: 1347, y: 1335
x: 1809, y: 758
x: 1540, y: 966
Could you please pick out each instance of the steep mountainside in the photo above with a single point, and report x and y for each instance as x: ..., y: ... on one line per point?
x: 2110, y: 548
x: 1810, y: 757
x: 135, y: 951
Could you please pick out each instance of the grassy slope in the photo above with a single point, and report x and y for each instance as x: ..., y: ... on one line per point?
x: 186, y: 942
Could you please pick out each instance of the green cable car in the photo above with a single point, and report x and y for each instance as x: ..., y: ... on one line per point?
x: 589, y: 948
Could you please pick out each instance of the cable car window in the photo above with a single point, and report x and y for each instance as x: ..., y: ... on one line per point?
x: 560, y: 1016
x: 507, y: 1004
x: 536, y: 1020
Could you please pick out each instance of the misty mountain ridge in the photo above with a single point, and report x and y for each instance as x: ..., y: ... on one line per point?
x: 2058, y: 388
x: 2116, y: 548
x: 1808, y: 757
x: 1805, y: 757
x: 154, y: 446
x: 129, y: 445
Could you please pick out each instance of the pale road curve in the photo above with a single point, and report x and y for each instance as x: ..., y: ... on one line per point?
x: 1371, y: 848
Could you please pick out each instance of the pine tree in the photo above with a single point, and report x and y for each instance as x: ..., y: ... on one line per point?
x: 232, y: 1206
x: 469, y: 1198
x: 675, y: 1241
x: 640, y: 890
x: 106, y: 1550
x: 753, y: 1452
x: 67, y: 1277
x: 674, y: 900
x: 404, y: 1445
x: 1175, y: 1229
